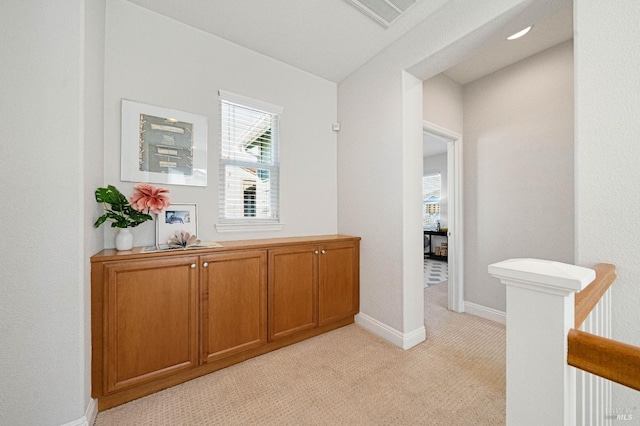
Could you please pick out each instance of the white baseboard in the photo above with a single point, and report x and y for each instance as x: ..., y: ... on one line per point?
x: 92, y: 411
x: 485, y: 312
x: 89, y: 417
x: 403, y: 340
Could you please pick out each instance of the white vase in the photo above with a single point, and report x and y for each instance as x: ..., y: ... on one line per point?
x: 124, y: 239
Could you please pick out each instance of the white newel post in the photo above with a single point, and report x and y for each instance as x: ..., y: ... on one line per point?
x: 540, y: 312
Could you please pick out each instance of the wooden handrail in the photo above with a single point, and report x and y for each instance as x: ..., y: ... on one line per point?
x: 613, y: 360
x: 586, y: 299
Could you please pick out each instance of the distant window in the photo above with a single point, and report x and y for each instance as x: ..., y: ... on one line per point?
x: 431, y: 201
x: 250, y: 201
x: 249, y: 165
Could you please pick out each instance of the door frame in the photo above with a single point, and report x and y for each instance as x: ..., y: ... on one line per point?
x: 455, y: 213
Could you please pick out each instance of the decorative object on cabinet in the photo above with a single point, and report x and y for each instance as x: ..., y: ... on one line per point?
x: 176, y: 218
x: 149, y: 198
x: 124, y: 239
x: 195, y: 246
x: 163, y: 145
x: 124, y: 214
x: 189, y: 313
x: 182, y: 239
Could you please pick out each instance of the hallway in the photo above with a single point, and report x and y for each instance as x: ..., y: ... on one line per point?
x: 348, y: 376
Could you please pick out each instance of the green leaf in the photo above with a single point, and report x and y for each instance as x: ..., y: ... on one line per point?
x: 111, y: 195
x: 118, y: 210
x: 102, y: 219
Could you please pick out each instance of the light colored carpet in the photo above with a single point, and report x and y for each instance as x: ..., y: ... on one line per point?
x: 348, y: 377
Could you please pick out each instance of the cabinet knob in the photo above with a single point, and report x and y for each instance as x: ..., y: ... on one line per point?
x: 315, y: 252
x: 205, y: 264
x: 193, y: 266
x: 323, y: 252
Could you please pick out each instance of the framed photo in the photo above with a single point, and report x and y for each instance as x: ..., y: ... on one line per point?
x: 163, y: 145
x: 177, y: 217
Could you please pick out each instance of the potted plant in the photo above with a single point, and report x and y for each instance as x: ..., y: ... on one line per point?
x: 124, y: 214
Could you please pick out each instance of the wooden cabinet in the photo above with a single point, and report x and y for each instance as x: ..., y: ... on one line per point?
x: 233, y: 294
x: 151, y: 321
x: 293, y: 290
x: 159, y: 319
x: 339, y: 278
x: 311, y: 286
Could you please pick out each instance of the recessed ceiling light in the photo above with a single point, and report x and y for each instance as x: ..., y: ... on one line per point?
x: 519, y: 33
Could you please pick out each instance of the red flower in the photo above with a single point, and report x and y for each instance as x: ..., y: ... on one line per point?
x: 149, y: 198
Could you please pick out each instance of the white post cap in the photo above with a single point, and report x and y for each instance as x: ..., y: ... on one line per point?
x: 543, y: 275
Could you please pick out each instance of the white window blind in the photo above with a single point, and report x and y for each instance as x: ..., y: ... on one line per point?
x: 249, y: 164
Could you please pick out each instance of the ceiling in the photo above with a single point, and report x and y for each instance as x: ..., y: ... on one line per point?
x: 546, y: 33
x: 333, y: 38
x: 327, y: 38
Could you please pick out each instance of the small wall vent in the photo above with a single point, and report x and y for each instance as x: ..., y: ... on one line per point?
x: 384, y: 12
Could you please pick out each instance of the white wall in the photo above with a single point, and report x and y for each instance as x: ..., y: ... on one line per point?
x: 379, y: 162
x: 155, y: 60
x: 433, y: 165
x: 443, y: 103
x: 607, y: 61
x: 43, y: 317
x: 518, y: 168
x: 369, y: 183
x: 93, y: 145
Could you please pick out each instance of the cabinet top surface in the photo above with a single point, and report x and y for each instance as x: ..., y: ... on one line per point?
x: 136, y: 253
x: 426, y: 231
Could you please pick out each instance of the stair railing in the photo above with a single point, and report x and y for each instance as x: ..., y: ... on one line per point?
x: 547, y: 304
x: 613, y: 360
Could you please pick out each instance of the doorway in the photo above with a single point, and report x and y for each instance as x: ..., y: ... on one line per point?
x: 453, y: 194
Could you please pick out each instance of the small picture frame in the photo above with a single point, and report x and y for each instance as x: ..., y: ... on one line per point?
x: 177, y: 217
x: 162, y: 145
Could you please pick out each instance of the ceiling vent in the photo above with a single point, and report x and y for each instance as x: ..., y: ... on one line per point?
x: 383, y: 11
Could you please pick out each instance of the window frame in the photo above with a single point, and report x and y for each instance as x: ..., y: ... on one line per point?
x: 250, y: 223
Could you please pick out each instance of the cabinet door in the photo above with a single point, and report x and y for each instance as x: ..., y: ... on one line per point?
x: 293, y: 290
x: 151, y: 323
x: 338, y: 282
x: 233, y: 299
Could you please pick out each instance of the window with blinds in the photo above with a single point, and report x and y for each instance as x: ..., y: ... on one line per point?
x: 431, y: 188
x: 249, y: 165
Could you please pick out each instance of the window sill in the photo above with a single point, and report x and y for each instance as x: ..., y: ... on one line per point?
x: 248, y: 227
